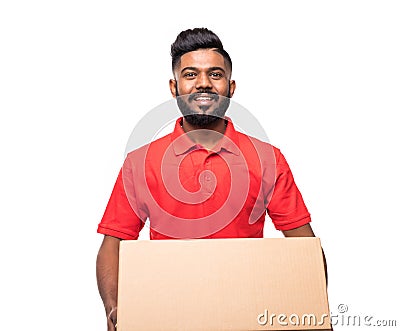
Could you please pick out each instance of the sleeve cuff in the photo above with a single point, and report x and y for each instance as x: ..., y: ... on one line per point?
x: 115, y: 233
x: 292, y: 224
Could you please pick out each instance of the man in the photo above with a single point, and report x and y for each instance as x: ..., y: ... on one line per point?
x: 205, y: 179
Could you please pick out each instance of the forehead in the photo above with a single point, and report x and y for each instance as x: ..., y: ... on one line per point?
x: 202, y: 59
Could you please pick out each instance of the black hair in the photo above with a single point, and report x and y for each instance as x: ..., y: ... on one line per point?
x: 194, y: 39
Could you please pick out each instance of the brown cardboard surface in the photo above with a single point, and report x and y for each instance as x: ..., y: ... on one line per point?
x: 222, y: 284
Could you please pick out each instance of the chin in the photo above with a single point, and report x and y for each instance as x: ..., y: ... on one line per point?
x: 201, y: 120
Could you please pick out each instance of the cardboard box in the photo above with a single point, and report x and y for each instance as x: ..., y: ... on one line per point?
x: 222, y: 284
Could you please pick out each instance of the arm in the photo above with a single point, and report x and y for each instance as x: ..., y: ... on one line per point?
x: 107, y: 277
x: 306, y: 231
x: 302, y: 231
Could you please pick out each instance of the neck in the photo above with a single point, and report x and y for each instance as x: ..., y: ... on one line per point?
x: 208, y: 136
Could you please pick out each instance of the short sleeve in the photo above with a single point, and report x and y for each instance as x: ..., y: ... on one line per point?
x: 286, y: 207
x: 119, y: 219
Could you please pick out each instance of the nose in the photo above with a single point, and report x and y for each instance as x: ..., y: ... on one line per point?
x: 203, y: 81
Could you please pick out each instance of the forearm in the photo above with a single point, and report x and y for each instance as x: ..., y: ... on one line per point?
x: 107, y: 272
x: 306, y: 231
x: 325, y: 267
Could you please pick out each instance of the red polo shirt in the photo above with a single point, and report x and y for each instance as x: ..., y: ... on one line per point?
x: 187, y: 191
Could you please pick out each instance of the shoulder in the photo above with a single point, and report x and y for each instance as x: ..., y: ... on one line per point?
x: 153, y: 146
x: 249, y: 143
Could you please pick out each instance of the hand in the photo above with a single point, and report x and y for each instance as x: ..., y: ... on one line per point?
x: 112, y: 320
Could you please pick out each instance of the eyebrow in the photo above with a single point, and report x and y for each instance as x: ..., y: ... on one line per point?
x: 209, y: 69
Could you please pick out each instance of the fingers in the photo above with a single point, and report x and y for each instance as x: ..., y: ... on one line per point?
x: 110, y: 325
x: 112, y: 319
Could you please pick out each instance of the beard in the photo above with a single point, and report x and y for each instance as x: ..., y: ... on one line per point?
x: 203, y: 116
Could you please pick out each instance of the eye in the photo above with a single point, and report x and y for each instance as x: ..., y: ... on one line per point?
x: 189, y: 75
x: 216, y: 75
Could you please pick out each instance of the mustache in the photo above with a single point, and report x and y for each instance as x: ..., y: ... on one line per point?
x: 214, y: 96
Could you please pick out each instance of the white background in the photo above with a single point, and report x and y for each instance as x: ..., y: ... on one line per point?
x: 76, y: 76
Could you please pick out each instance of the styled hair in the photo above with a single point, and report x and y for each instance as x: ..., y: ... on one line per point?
x: 195, y: 39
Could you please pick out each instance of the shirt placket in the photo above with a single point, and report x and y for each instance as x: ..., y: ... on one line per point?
x: 208, y: 179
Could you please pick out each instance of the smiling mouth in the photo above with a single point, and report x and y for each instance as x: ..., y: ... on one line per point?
x: 203, y: 97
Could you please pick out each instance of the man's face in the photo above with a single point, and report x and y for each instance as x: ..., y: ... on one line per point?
x: 202, y: 86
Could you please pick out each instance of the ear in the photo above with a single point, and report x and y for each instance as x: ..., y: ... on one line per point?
x: 172, y: 87
x: 232, y: 87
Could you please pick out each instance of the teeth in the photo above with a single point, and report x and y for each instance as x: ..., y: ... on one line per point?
x: 203, y: 99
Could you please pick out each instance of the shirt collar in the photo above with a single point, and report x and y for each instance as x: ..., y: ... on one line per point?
x: 229, y: 142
